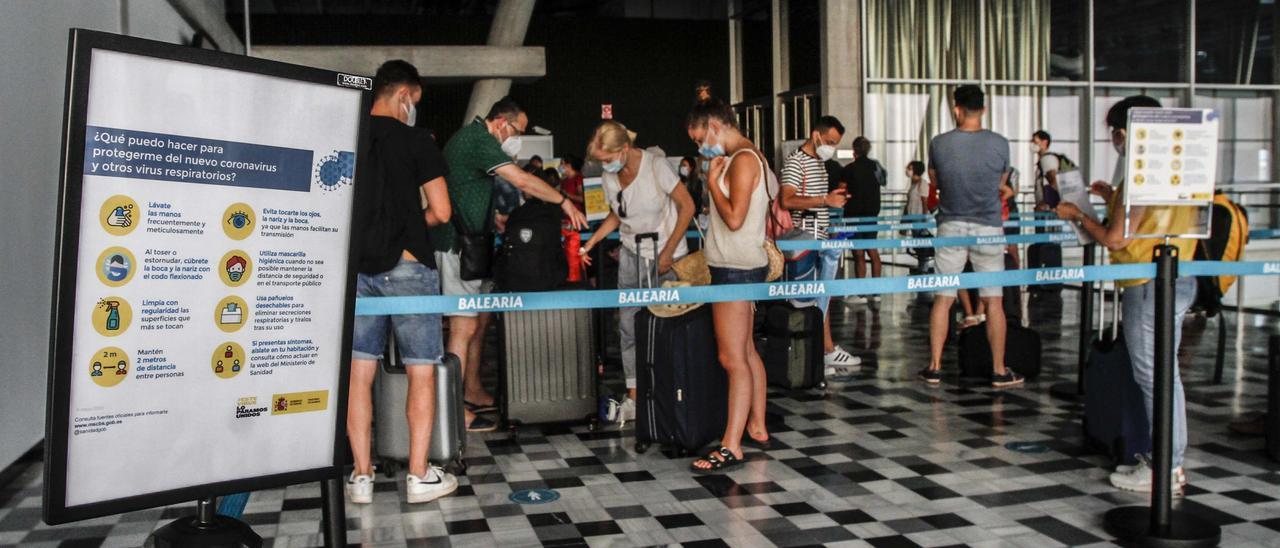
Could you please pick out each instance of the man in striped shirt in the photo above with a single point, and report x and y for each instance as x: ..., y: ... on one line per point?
x: 804, y: 192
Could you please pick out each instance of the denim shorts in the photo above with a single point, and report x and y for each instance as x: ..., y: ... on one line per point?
x: 725, y: 276
x: 418, y: 337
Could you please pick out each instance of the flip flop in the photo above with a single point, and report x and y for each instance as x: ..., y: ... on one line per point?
x: 477, y: 408
x: 721, y: 460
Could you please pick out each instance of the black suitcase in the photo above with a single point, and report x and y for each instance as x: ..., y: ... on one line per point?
x: 1011, y: 295
x: 1045, y: 256
x: 793, y: 356
x: 1115, y: 418
x: 1021, y: 351
x: 682, y: 392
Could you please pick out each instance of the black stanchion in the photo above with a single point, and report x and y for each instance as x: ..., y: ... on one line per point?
x: 206, y: 529
x: 1160, y: 524
x: 334, y: 516
x: 1073, y: 391
x: 1273, y: 399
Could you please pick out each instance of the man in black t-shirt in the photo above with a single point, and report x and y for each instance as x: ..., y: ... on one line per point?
x: 863, y: 178
x: 403, y: 168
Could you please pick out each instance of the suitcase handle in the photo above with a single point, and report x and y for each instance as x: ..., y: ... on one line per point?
x: 390, y: 362
x: 640, y: 260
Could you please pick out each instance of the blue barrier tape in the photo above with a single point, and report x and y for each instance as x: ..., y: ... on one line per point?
x: 926, y: 225
x: 233, y: 505
x: 1067, y: 238
x: 1264, y: 233
x: 836, y: 218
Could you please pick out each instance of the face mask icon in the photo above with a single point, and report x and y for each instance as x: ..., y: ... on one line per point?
x: 235, y: 268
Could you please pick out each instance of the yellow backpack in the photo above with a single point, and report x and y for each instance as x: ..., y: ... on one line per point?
x: 1230, y: 233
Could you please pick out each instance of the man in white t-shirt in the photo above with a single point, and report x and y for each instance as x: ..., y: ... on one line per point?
x: 805, y: 193
x: 1047, y: 165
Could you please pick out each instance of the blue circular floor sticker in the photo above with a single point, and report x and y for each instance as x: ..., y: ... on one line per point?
x: 1027, y: 447
x: 535, y: 496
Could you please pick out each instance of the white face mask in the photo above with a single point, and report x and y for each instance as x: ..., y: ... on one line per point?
x: 684, y: 171
x: 1035, y: 148
x: 826, y: 152
x: 1119, y: 148
x: 511, y: 145
x: 411, y: 114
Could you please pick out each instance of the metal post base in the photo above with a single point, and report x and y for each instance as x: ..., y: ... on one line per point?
x: 1069, y: 391
x: 221, y: 532
x: 1186, y: 530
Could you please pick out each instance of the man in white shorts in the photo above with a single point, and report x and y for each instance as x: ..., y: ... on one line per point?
x: 970, y: 165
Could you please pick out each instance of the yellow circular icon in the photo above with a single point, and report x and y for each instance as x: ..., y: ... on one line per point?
x: 1177, y: 150
x: 109, y: 366
x: 1175, y: 180
x: 1139, y: 164
x: 1175, y: 165
x: 1139, y: 179
x: 228, y: 359
x: 231, y: 314
x: 116, y: 266
x: 1177, y: 135
x: 1142, y: 134
x: 238, y: 221
x: 235, y: 268
x: 111, y: 316
x: 119, y: 215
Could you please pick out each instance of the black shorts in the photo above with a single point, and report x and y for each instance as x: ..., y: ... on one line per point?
x: 865, y: 235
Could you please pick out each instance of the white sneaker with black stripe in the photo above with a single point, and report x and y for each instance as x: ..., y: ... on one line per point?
x: 840, y: 363
x: 360, y: 488
x: 436, y: 484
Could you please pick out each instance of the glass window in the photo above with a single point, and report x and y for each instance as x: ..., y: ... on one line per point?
x: 1104, y: 154
x: 1234, y: 41
x: 1018, y: 111
x: 1017, y: 39
x: 899, y: 121
x: 1066, y: 39
x: 1244, y: 145
x: 922, y: 38
x: 1140, y: 41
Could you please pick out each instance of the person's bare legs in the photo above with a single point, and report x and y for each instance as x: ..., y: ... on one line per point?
x: 733, y: 332
x: 859, y: 263
x: 360, y: 414
x: 473, y: 389
x: 877, y: 268
x: 828, y: 344
x: 996, y: 332
x: 1012, y: 251
x: 966, y: 303
x: 420, y: 408
x: 756, y: 425
x: 461, y: 330
x: 939, y: 324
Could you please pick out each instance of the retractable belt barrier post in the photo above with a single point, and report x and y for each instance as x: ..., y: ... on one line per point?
x: 1273, y: 398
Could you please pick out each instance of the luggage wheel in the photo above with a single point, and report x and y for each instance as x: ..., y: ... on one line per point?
x: 822, y: 385
x: 641, y: 447
x: 389, y: 468
x: 457, y: 467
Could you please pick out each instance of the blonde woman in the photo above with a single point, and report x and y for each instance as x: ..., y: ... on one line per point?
x: 738, y: 190
x: 651, y: 209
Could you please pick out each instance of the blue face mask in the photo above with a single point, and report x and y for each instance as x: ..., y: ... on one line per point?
x: 613, y: 167
x: 711, y: 151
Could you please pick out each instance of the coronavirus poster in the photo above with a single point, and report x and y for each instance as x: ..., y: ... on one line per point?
x: 211, y: 285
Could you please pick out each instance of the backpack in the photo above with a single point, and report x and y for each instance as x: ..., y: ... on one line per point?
x: 1230, y: 233
x: 382, y: 223
x: 531, y: 257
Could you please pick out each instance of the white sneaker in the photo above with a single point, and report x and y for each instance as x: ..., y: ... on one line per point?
x: 360, y: 488
x: 1139, y: 478
x: 626, y: 411
x: 840, y: 363
x: 438, y: 483
x: 1129, y: 468
x: 852, y: 300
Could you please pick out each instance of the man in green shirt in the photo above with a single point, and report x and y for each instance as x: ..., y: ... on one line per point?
x: 479, y: 151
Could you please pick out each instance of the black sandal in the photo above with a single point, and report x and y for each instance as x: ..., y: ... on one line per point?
x: 721, y: 459
x: 763, y: 445
x: 477, y: 408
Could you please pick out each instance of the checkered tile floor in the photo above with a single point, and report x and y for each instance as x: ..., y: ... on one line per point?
x: 881, y: 461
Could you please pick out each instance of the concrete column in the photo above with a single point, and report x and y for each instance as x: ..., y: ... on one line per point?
x: 207, y: 16
x: 735, y: 52
x: 781, y: 76
x: 840, y: 23
x: 510, y: 24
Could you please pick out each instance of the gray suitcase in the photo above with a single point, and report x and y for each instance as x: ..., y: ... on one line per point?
x: 391, y: 426
x: 550, y: 373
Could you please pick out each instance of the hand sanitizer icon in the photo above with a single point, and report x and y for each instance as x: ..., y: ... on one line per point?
x: 113, y: 314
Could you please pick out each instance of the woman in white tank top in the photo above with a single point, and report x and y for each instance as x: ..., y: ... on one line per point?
x: 739, y: 206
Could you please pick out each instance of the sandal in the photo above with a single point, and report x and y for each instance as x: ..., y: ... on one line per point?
x: 481, y: 424
x: 721, y: 459
x: 763, y: 445
x: 477, y: 408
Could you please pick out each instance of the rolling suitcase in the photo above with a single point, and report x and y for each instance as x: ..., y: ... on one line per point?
x: 1021, y: 351
x: 550, y: 366
x: 391, y: 426
x: 681, y: 389
x: 793, y: 356
x: 1115, y: 417
x: 1045, y: 256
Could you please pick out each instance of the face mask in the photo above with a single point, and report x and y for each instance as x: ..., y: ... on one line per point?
x: 511, y: 145
x: 825, y: 152
x: 710, y: 151
x: 614, y: 166
x: 411, y: 114
x: 1119, y: 148
x: 1035, y: 148
x: 684, y: 171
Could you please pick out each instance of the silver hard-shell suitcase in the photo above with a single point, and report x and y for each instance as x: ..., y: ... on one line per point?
x: 550, y: 372
x: 391, y: 425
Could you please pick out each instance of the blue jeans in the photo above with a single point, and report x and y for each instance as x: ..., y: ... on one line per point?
x: 1140, y: 333
x: 828, y: 266
x: 418, y: 336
